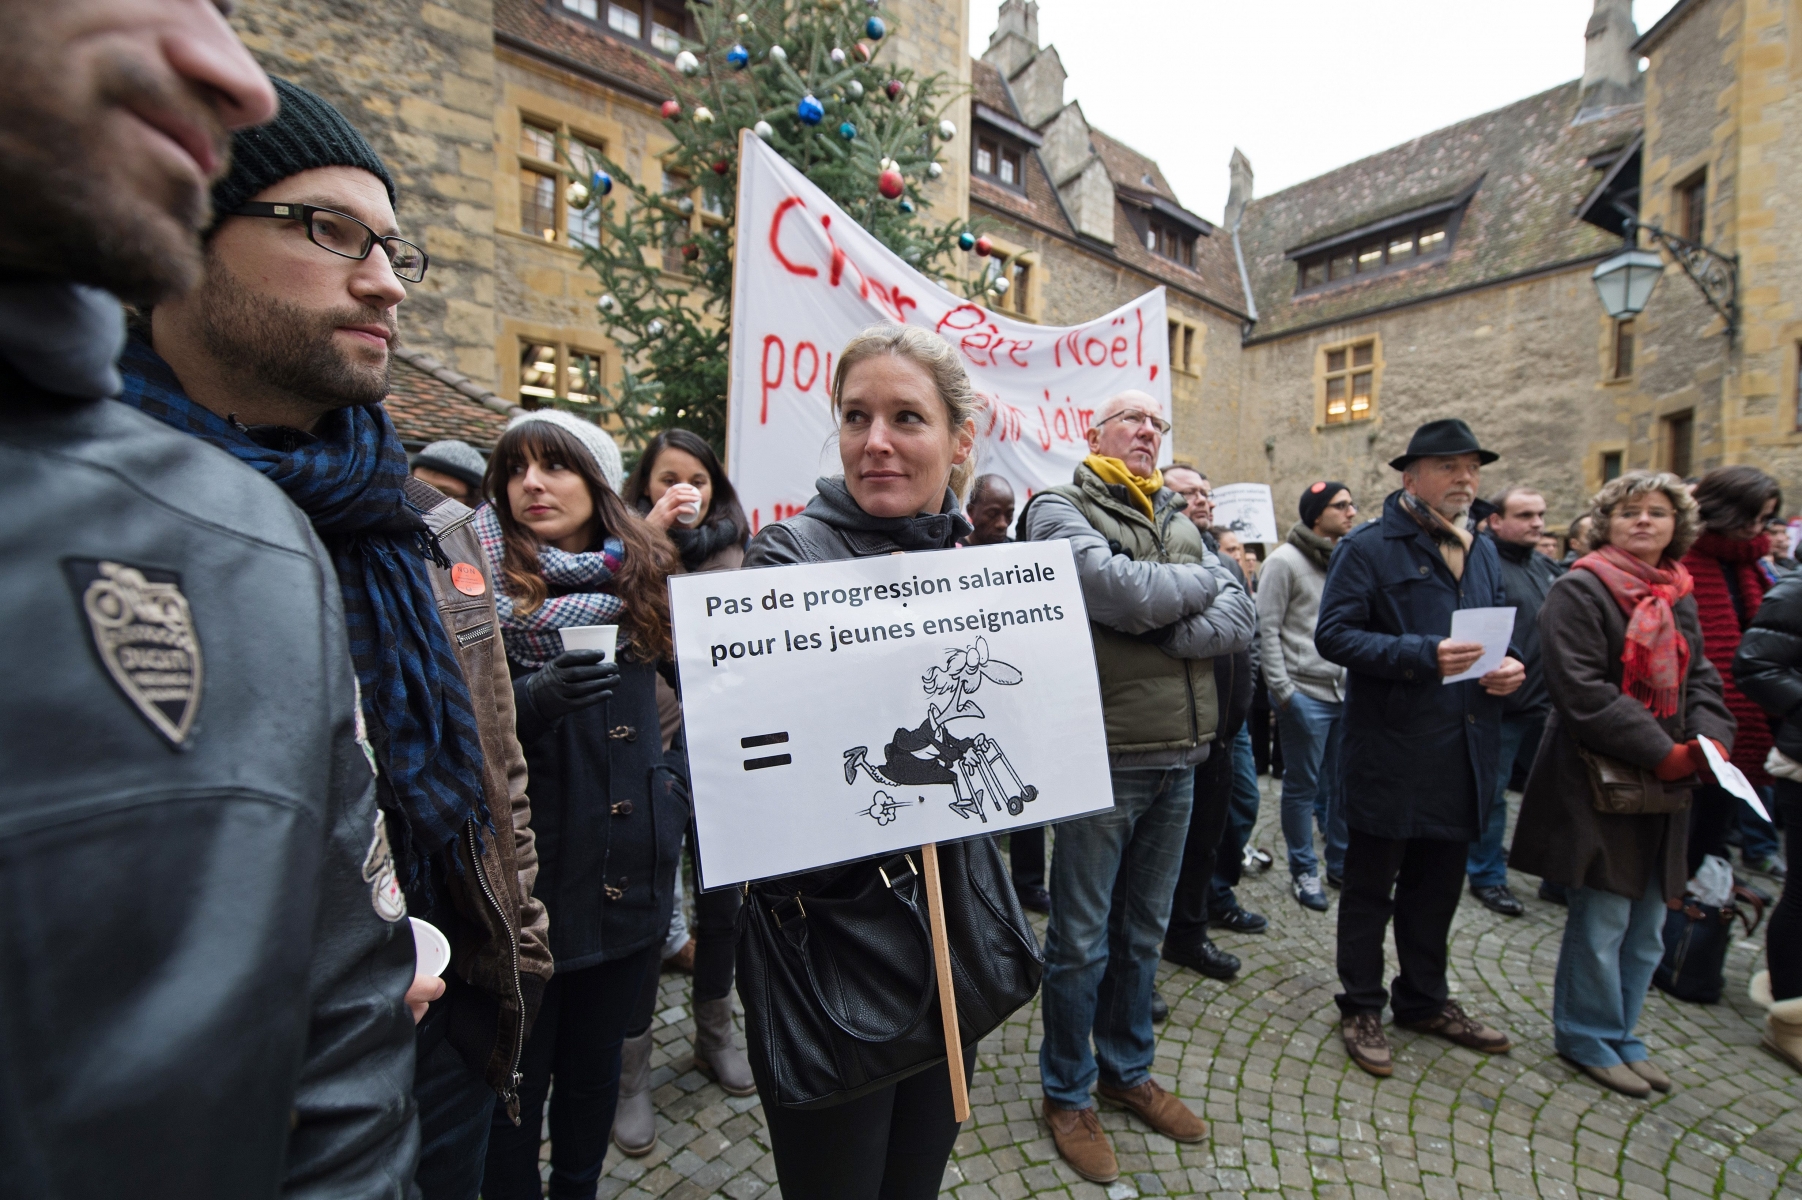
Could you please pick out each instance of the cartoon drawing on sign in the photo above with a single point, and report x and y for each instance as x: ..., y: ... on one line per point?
x: 976, y: 768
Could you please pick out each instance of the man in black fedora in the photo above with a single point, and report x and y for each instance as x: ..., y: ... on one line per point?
x: 1420, y: 754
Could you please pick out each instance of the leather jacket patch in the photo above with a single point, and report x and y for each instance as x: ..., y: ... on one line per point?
x: 378, y: 872
x: 143, y: 631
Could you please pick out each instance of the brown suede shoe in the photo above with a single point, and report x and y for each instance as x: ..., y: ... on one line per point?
x: 1077, y: 1132
x: 1649, y: 1071
x: 1456, y: 1025
x: 1158, y: 1109
x: 1365, y: 1042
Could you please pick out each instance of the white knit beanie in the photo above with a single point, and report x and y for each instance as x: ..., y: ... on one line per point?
x: 600, y: 444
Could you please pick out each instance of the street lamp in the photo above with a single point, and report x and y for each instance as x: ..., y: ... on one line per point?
x: 1625, y: 282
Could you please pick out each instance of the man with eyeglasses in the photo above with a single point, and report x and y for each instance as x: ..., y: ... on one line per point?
x: 1307, y: 691
x: 280, y: 357
x: 1161, y: 608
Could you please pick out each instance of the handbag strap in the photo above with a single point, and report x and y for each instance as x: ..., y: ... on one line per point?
x: 903, y: 882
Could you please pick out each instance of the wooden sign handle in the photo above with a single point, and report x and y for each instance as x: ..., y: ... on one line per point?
x: 941, y: 956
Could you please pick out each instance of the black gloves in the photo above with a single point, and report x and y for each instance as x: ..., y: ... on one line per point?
x: 575, y: 679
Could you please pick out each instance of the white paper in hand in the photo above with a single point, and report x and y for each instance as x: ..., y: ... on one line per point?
x: 1733, y: 779
x: 1491, y: 626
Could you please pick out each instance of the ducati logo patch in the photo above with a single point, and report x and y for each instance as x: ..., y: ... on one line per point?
x: 378, y: 872
x: 144, y: 633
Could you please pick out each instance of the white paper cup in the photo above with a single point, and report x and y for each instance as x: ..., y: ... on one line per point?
x: 431, y: 949
x: 592, y: 637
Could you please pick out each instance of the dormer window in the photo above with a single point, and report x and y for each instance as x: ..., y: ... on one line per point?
x: 1000, y: 161
x: 1164, y: 238
x: 657, y: 25
x: 1419, y: 236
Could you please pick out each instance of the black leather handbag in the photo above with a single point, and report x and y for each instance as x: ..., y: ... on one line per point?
x: 835, y: 968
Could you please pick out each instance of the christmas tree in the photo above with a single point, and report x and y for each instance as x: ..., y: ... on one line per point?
x: 807, y: 77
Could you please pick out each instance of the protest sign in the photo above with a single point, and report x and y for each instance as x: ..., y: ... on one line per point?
x: 845, y: 709
x: 1246, y: 509
x: 807, y: 279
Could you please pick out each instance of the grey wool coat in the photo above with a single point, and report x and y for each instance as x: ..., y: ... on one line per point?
x: 1560, y: 836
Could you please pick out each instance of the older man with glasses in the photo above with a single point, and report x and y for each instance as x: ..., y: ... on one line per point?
x: 1161, y: 607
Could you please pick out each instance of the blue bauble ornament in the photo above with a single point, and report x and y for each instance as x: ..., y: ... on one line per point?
x: 847, y: 131
x: 906, y: 206
x: 810, y: 110
x: 600, y: 183
x: 966, y: 241
x: 874, y: 28
x: 738, y: 56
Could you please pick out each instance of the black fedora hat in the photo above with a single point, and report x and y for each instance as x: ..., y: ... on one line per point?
x: 1445, y: 438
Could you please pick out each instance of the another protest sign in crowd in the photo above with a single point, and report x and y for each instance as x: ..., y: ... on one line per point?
x: 281, y: 691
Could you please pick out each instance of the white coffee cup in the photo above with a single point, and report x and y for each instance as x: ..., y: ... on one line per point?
x: 592, y: 637
x: 431, y: 949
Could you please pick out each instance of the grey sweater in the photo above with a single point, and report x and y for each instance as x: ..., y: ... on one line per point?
x: 1289, y: 590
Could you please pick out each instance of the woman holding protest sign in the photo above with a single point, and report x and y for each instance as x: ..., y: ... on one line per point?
x: 608, y: 809
x: 906, y: 431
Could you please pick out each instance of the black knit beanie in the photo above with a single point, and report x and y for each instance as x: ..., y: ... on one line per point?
x: 307, y: 132
x: 1315, y: 499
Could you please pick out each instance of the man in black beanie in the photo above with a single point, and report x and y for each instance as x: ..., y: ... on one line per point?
x: 280, y: 357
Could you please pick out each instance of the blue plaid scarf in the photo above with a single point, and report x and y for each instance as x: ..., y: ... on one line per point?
x: 347, y: 477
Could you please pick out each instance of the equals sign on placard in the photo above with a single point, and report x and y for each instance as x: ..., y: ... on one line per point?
x: 765, y: 739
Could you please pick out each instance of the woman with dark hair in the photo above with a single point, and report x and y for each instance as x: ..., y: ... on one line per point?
x: 1734, y: 504
x: 680, y: 488
x: 608, y: 809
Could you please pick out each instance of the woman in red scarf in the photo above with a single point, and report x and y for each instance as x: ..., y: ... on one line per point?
x: 1734, y: 503
x: 1622, y: 648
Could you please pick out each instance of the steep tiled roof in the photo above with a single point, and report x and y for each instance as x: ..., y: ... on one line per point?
x: 1530, y: 167
x: 430, y: 402
x: 1127, y: 167
x: 545, y: 25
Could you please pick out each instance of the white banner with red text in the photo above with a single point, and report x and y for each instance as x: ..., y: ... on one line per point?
x: 808, y: 279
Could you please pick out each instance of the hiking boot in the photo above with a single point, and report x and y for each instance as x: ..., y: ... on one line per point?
x: 1240, y: 920
x: 1364, y: 1041
x: 1081, y: 1143
x: 1307, y: 891
x: 1158, y: 1109
x: 1499, y: 899
x: 1649, y: 1071
x: 1620, y: 1078
x: 1455, y: 1025
x: 1205, y: 957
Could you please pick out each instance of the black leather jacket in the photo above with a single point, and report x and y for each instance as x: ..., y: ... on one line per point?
x: 198, y: 993
x: 1768, y: 664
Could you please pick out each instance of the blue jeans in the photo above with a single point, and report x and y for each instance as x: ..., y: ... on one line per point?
x: 456, y: 1109
x: 1313, y: 782
x: 1241, y: 815
x: 1611, y: 947
x: 1757, y: 836
x: 1112, y: 878
x: 1487, y: 865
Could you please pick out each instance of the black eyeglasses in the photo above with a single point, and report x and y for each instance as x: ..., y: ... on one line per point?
x: 344, y: 235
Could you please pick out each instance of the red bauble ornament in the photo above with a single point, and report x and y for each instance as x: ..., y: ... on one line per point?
x: 890, y: 184
x: 984, y: 247
x: 862, y: 51
x: 720, y: 168
x: 893, y: 88
x: 672, y: 109
x: 691, y: 251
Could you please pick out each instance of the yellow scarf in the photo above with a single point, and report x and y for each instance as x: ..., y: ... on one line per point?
x: 1139, y: 488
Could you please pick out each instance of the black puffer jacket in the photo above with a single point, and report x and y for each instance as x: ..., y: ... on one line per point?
x: 1768, y: 666
x: 1527, y: 575
x: 609, y: 808
x: 205, y: 961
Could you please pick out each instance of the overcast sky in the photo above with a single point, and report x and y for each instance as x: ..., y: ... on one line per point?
x: 1302, y: 86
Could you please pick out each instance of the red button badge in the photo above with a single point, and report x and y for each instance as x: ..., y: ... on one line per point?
x: 468, y: 580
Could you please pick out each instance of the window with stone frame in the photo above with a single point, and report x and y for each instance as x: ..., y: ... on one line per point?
x: 1611, y: 465
x: 1348, y: 375
x: 1182, y: 347
x: 656, y: 25
x: 1692, y: 207
x: 1680, y: 443
x: 1169, y: 240
x: 999, y: 160
x: 551, y: 371
x: 1378, y: 252
x: 1625, y: 331
x: 548, y: 153
x: 1021, y: 273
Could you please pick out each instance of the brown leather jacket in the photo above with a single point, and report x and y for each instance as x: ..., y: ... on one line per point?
x: 500, y: 940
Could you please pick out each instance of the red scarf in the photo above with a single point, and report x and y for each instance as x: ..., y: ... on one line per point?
x: 1712, y: 555
x: 1656, y: 659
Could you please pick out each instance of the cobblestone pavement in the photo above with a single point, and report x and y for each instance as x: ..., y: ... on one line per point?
x: 1290, y: 1116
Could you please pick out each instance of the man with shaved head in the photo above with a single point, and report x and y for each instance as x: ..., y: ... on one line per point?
x: 1161, y: 608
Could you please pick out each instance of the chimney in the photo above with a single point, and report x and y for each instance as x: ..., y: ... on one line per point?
x: 1239, y: 195
x: 1016, y: 37
x: 1610, y: 72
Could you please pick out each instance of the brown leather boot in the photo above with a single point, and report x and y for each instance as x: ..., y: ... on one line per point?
x: 1364, y: 1041
x: 1081, y: 1142
x: 1158, y: 1109
x: 1455, y: 1025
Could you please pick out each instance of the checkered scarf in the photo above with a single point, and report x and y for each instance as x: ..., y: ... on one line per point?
x: 575, y: 579
x: 347, y: 477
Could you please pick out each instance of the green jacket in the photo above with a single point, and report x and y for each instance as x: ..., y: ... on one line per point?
x: 1160, y: 609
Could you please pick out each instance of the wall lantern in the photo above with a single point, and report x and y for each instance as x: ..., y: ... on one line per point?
x: 1625, y: 282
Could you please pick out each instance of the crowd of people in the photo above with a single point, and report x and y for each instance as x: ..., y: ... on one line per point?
x: 280, y: 688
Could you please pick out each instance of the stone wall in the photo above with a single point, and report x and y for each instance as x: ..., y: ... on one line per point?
x: 417, y: 77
